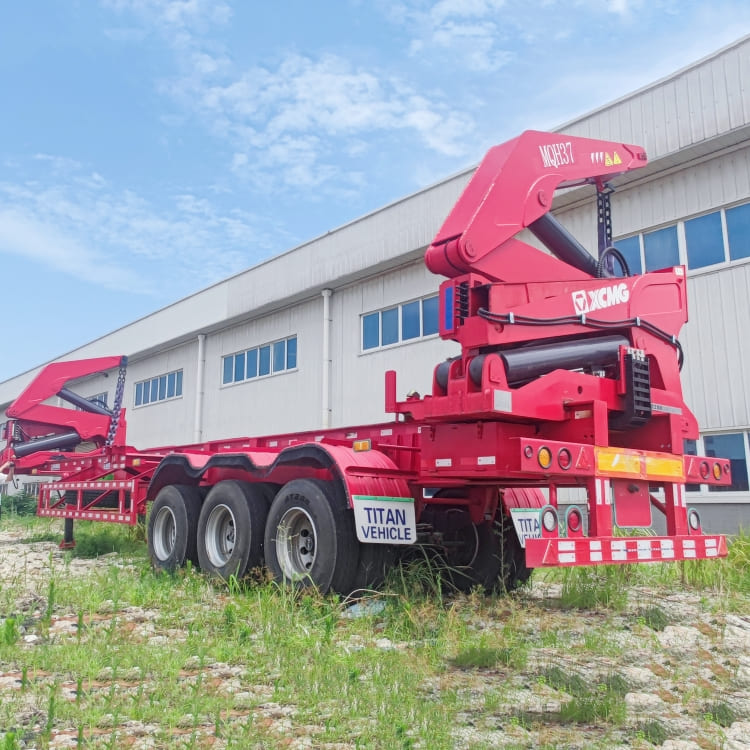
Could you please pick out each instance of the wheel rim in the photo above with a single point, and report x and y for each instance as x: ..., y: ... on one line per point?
x: 165, y: 533
x: 296, y: 544
x: 220, y: 535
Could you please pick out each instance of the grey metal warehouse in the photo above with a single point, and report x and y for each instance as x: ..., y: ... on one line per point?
x: 250, y: 356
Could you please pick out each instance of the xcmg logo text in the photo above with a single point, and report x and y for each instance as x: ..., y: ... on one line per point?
x: 586, y: 301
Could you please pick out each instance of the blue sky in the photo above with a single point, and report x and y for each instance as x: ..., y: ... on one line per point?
x: 149, y: 148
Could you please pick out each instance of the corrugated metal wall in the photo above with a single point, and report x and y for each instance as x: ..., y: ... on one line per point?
x: 699, y: 103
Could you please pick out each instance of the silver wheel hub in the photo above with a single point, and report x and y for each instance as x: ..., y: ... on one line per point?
x: 296, y: 544
x: 165, y: 533
x: 220, y: 535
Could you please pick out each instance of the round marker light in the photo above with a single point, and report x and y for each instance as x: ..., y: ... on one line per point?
x: 528, y: 451
x: 549, y: 519
x: 694, y: 519
x: 574, y: 520
x: 717, y: 471
x: 564, y: 459
x: 544, y: 457
x: 704, y: 470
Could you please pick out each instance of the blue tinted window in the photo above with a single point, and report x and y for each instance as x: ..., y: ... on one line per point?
x: 389, y: 324
x: 279, y: 356
x: 251, y: 363
x: 660, y: 249
x: 265, y: 360
x: 371, y: 331
x: 731, y: 446
x: 429, y: 316
x: 631, y: 250
x: 704, y: 240
x: 291, y: 353
x: 239, y: 367
x: 162, y: 387
x: 410, y: 327
x: 228, y: 373
x: 738, y: 231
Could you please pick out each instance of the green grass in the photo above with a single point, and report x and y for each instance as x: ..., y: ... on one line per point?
x: 255, y: 664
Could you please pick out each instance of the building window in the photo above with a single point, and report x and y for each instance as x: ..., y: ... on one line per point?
x: 100, y: 399
x: 738, y: 231
x: 394, y: 325
x: 631, y: 250
x: 160, y: 388
x: 704, y: 240
x: 278, y: 356
x: 731, y: 445
x: 660, y: 249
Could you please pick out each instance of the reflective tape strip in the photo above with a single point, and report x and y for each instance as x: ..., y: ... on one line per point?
x: 711, y: 551
x: 667, y: 548
x: 566, y: 546
x: 711, y: 543
x: 485, y: 460
x: 644, y: 549
x: 443, y: 462
x: 567, y: 557
x: 595, y: 551
x: 619, y: 550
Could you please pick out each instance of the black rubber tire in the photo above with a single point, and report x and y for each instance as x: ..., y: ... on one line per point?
x: 238, y: 510
x: 375, y: 560
x: 480, y: 561
x: 514, y: 571
x: 310, y: 509
x: 175, y: 510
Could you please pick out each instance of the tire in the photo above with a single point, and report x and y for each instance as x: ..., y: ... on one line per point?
x: 375, y: 560
x: 310, y: 539
x: 172, y: 527
x: 475, y: 558
x: 230, y: 528
x: 514, y: 572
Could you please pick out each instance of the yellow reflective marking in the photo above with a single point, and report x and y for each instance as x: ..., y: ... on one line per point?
x: 618, y: 462
x: 662, y: 466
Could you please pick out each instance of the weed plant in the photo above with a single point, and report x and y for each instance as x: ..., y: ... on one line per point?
x: 254, y: 664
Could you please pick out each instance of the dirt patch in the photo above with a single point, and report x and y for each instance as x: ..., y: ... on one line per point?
x: 572, y: 679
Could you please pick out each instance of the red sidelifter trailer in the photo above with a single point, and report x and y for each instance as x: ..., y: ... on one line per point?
x: 569, y: 376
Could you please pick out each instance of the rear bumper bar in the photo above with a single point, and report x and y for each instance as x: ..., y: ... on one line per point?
x: 555, y: 552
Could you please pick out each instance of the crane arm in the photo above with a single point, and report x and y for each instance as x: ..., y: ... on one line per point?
x: 511, y: 190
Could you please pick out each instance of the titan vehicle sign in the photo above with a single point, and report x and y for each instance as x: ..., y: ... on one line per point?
x: 527, y: 523
x: 385, y: 520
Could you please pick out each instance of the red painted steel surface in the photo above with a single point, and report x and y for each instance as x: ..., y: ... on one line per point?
x: 484, y: 439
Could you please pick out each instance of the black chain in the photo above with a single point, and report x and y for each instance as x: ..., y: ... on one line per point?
x: 119, y: 393
x: 604, y: 218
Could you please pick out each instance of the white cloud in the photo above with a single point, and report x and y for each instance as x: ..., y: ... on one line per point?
x: 290, y: 123
x: 74, y: 222
x: 472, y: 30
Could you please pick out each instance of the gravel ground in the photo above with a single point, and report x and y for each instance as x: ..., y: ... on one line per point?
x: 703, y: 651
